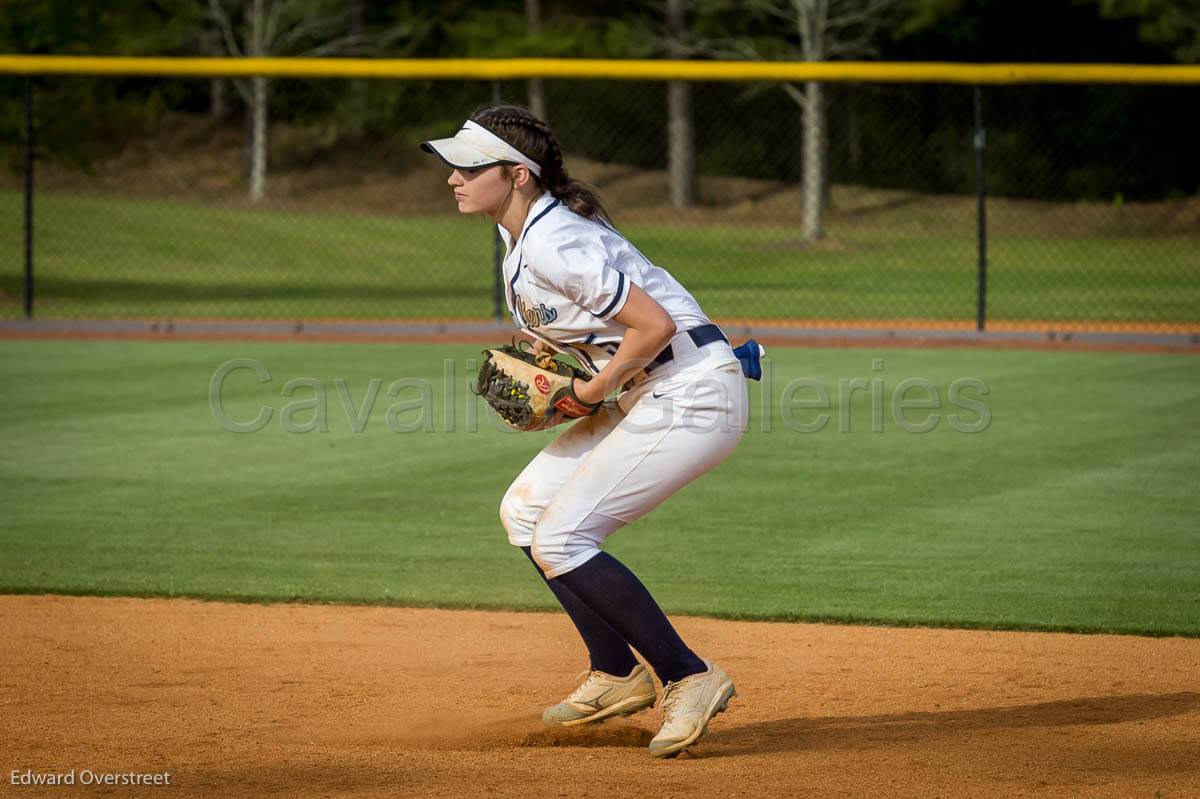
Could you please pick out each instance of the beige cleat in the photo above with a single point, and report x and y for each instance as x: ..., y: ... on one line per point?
x: 688, y: 706
x: 603, y: 696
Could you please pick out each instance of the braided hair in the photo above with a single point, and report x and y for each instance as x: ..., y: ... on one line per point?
x: 533, y: 137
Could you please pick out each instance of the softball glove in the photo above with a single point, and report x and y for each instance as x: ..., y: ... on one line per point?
x: 530, y: 391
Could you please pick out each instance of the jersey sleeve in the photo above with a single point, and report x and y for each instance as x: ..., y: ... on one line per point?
x: 583, y: 267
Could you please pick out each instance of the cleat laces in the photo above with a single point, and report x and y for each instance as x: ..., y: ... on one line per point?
x: 578, y: 693
x: 670, y: 698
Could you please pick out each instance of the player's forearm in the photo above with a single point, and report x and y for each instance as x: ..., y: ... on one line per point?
x: 638, y: 348
x: 648, y: 328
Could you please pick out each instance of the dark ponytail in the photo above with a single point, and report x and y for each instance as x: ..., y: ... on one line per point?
x: 533, y: 137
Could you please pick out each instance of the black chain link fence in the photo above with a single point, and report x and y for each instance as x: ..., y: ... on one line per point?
x: 1092, y: 212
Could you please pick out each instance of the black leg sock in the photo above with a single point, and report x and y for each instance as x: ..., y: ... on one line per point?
x: 608, y: 651
x: 616, y: 595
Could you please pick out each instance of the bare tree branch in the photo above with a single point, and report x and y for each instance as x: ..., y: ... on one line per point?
x: 307, y: 29
x: 343, y: 45
x: 812, y: 30
x: 796, y: 95
x: 275, y: 10
x: 226, y: 27
x: 733, y: 49
x: 295, y: 27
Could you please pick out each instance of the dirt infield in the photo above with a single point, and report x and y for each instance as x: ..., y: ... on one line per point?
x: 307, y: 701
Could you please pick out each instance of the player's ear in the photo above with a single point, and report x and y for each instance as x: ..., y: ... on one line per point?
x: 520, y: 175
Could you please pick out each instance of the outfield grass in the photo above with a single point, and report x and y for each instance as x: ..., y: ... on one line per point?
x: 1075, y: 509
x: 104, y: 256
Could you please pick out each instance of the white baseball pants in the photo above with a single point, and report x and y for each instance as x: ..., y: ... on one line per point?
x: 611, y: 468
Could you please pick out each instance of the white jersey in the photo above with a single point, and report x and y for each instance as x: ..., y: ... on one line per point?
x: 567, y: 276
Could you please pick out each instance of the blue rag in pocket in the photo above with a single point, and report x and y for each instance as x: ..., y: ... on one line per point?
x: 750, y: 354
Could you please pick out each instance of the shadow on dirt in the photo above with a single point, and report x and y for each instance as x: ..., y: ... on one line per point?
x: 625, y: 736
x: 868, y: 732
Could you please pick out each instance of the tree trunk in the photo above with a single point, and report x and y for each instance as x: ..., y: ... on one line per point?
x: 258, y: 146
x: 681, y: 152
x: 218, y: 105
x: 356, y: 93
x: 248, y: 138
x: 218, y: 108
x: 813, y: 169
x: 826, y: 168
x: 258, y: 107
x: 537, y: 91
x: 537, y: 98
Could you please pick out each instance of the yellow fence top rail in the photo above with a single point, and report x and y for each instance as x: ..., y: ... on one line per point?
x: 516, y: 68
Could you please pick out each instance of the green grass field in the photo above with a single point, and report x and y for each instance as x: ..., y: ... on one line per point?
x: 111, y: 256
x: 1074, y: 509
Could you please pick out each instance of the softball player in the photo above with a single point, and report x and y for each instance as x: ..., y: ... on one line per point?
x: 577, y: 286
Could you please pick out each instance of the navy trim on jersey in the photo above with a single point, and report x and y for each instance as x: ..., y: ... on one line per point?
x: 512, y: 296
x: 615, y: 299
x: 545, y: 211
x: 608, y: 346
x: 512, y: 284
x: 584, y: 356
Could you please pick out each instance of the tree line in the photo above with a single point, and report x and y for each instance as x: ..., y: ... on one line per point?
x: 1049, y: 141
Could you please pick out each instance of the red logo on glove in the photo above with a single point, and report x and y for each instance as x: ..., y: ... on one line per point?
x: 543, y: 385
x: 571, y: 408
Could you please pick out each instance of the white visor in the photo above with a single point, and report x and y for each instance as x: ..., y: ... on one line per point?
x: 475, y: 146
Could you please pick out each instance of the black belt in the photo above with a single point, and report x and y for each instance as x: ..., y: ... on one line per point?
x: 700, y: 336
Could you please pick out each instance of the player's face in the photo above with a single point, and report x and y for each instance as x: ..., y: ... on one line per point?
x: 480, y: 190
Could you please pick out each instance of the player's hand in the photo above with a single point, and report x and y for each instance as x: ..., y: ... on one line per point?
x: 589, y: 391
